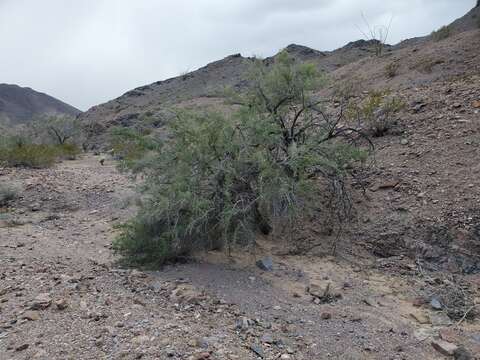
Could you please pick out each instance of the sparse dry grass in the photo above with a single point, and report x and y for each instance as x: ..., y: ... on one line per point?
x: 441, y: 34
x: 391, y: 70
x: 426, y: 64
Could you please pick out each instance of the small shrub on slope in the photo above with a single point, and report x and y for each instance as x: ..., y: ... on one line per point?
x: 441, y: 34
x: 376, y: 113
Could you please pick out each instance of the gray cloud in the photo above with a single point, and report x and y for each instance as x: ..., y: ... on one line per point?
x: 87, y: 52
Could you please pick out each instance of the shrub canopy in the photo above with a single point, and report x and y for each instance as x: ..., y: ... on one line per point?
x: 219, y: 179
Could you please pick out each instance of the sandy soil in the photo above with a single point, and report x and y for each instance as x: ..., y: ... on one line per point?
x: 63, y: 297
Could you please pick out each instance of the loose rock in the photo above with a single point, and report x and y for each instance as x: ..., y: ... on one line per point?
x: 266, y: 264
x: 31, y: 315
x: 444, y: 347
x: 41, y: 302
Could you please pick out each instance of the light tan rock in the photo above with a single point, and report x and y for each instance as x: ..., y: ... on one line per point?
x: 444, y: 347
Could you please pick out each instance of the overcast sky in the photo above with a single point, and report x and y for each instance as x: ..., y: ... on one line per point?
x: 86, y: 52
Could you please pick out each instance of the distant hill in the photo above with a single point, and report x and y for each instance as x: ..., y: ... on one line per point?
x: 469, y: 21
x: 21, y: 104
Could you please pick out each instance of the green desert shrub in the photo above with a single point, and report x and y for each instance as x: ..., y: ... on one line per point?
x: 40, y: 144
x: 68, y: 151
x: 441, y: 34
x: 377, y: 112
x: 29, y: 155
x: 132, y: 146
x: 217, y: 180
x: 19, y: 153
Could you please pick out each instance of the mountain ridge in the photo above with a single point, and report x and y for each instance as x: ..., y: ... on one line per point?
x: 208, y: 81
x: 20, y: 105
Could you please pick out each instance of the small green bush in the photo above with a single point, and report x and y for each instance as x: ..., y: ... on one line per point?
x: 29, y: 155
x: 68, y: 151
x: 376, y: 113
x: 35, y: 155
x: 441, y: 34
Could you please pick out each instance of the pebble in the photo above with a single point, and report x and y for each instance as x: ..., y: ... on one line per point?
x: 267, y: 339
x: 61, y: 304
x: 462, y: 354
x: 41, y: 302
x: 31, y: 315
x: 436, y: 304
x: 326, y: 316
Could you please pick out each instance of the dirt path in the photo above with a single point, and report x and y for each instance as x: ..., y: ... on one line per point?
x: 61, y: 297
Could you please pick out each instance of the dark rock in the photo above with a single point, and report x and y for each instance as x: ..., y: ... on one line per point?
x: 243, y: 323
x: 462, y: 354
x: 326, y: 316
x: 22, y: 347
x: 257, y: 349
x: 265, y: 264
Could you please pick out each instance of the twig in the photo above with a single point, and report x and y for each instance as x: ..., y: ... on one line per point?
x: 465, y: 315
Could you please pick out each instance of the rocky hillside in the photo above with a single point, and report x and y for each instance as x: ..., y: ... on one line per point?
x: 209, y: 82
x: 205, y: 85
x: 21, y: 104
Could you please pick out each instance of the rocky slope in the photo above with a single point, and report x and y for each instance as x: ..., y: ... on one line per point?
x: 206, y: 85
x: 22, y: 104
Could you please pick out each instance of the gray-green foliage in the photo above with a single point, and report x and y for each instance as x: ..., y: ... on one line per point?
x: 219, y: 179
x: 57, y: 130
x: 40, y: 143
x: 133, y: 146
